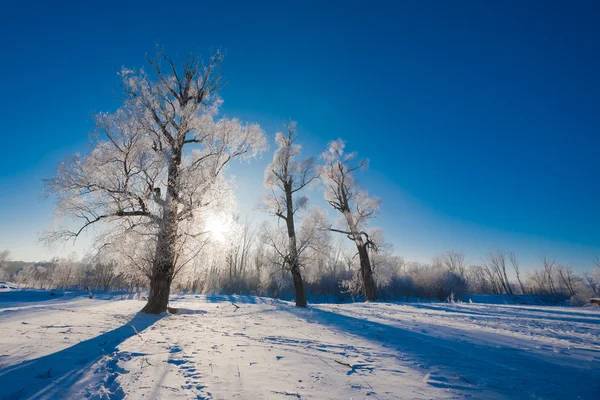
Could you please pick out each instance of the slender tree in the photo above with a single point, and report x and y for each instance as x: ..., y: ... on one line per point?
x: 549, y: 272
x: 566, y: 278
x: 156, y: 168
x: 455, y: 262
x: 495, y: 264
x: 515, y: 264
x: 285, y: 177
x: 356, y: 207
x: 592, y: 281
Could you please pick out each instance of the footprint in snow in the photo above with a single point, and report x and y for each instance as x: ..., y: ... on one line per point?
x: 186, y: 367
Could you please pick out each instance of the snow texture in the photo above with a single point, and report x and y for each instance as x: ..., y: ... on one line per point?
x: 73, y: 347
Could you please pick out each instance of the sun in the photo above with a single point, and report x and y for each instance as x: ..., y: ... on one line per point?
x: 218, y: 227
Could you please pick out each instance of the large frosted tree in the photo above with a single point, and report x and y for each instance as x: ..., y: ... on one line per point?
x: 156, y: 167
x: 285, y: 177
x: 343, y: 194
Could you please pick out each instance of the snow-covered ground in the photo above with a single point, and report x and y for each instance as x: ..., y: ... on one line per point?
x: 75, y: 347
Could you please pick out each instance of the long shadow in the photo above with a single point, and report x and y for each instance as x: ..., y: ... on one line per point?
x: 445, y: 308
x: 20, y: 298
x: 258, y: 312
x: 241, y: 299
x: 466, y: 365
x: 26, y: 300
x: 491, y: 313
x: 593, y: 312
x: 50, y: 376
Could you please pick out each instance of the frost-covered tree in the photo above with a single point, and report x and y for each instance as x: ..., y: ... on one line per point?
x: 4, y: 257
x: 356, y: 207
x: 285, y: 177
x: 383, y: 263
x: 479, y: 280
x: 515, y: 264
x: 549, y: 273
x: 495, y: 265
x: 567, y: 279
x: 593, y: 278
x: 455, y: 262
x: 66, y: 271
x: 236, y: 246
x: 153, y: 172
x: 104, y: 273
x: 311, y: 238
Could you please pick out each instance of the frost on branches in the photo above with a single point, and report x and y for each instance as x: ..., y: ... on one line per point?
x: 284, y: 178
x: 356, y: 207
x: 156, y: 169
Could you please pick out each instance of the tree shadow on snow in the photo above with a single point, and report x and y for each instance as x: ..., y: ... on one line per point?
x: 493, y: 312
x: 28, y: 298
x: 54, y: 375
x: 459, y: 362
x: 549, y: 310
x: 233, y: 298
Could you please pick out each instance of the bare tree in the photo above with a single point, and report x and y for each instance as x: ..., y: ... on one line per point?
x: 567, y: 278
x: 239, y: 244
x: 512, y: 257
x: 549, y: 273
x: 437, y: 261
x: 284, y: 178
x: 356, y: 207
x: 539, y: 281
x: 593, y: 278
x: 492, y: 278
x: 454, y: 261
x: 143, y: 179
x: 4, y: 257
x: 593, y: 282
x: 104, y: 273
x: 66, y: 271
x: 479, y: 281
x: 496, y: 267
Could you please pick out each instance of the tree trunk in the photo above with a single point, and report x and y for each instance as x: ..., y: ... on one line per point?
x: 366, y: 273
x: 521, y: 284
x: 163, y: 267
x: 508, y: 288
x: 162, y: 274
x: 298, y: 286
x: 293, y: 250
x: 160, y: 288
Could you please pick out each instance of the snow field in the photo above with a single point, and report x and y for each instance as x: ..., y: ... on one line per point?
x: 103, y: 349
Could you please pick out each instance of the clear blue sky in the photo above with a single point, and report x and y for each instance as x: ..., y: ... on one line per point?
x: 481, y: 119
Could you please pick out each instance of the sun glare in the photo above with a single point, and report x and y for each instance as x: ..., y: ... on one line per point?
x: 218, y: 227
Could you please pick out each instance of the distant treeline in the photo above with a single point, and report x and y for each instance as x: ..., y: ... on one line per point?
x: 250, y: 267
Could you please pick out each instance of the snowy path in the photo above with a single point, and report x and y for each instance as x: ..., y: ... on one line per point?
x: 81, y: 348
